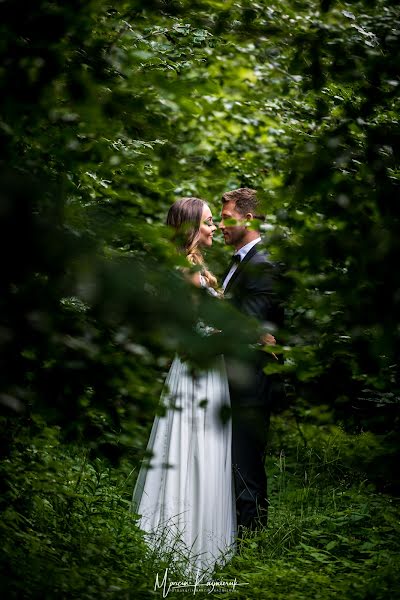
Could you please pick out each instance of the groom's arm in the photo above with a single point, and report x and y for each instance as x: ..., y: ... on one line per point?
x: 259, y: 298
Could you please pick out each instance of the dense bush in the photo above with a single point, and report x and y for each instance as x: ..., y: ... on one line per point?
x: 110, y: 111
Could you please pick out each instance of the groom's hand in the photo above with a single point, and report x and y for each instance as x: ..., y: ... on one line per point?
x: 267, y: 339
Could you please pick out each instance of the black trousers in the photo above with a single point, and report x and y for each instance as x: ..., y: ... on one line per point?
x: 249, y: 439
x: 251, y: 394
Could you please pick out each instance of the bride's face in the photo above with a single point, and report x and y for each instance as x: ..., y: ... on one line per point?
x: 207, y: 227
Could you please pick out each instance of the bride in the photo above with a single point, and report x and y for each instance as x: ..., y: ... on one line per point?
x: 185, y: 497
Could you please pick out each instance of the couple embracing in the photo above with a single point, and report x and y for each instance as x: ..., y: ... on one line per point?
x: 207, y: 482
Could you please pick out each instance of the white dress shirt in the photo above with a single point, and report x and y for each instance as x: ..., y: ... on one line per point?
x: 242, y: 253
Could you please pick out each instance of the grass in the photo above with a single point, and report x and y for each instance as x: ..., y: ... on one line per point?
x: 330, y: 534
x: 68, y: 533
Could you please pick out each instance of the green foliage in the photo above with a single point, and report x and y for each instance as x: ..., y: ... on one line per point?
x: 67, y: 529
x: 108, y: 113
x: 340, y: 182
x: 329, y: 534
x: 121, y: 108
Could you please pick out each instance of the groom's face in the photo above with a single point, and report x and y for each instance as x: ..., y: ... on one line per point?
x: 232, y: 224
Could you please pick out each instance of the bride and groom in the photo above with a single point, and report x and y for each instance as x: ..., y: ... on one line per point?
x: 207, y: 480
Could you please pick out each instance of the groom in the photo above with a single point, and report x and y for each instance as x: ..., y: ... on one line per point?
x: 249, y: 285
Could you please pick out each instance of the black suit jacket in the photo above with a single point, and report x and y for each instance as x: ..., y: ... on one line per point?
x: 252, y: 289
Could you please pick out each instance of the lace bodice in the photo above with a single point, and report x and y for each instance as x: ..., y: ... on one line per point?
x: 201, y: 327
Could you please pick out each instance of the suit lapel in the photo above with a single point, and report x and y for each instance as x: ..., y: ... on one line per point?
x: 226, y: 273
x: 240, y: 267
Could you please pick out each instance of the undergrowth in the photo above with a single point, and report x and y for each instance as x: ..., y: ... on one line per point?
x: 68, y: 532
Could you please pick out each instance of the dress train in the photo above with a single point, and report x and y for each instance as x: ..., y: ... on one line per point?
x: 186, y: 498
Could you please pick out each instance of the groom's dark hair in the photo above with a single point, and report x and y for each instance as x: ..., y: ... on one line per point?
x: 245, y: 200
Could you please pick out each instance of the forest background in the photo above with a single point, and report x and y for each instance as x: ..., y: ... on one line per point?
x: 109, y: 112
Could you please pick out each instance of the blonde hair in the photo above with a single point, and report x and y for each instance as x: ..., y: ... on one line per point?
x: 185, y: 217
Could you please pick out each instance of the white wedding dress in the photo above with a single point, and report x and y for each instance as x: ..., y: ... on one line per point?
x: 186, y: 500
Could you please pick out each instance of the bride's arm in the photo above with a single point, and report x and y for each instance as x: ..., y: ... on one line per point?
x: 194, y: 278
